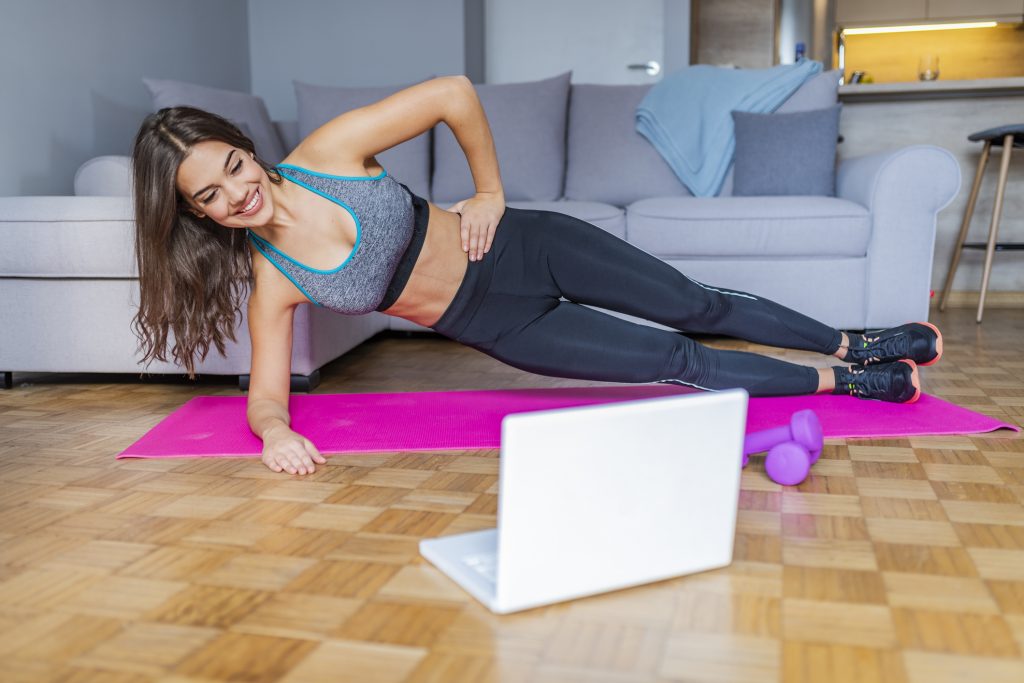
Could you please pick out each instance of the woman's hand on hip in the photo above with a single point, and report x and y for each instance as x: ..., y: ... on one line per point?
x: 290, y: 452
x: 480, y: 216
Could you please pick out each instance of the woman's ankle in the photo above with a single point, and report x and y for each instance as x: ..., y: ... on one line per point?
x: 844, y: 345
x: 826, y: 380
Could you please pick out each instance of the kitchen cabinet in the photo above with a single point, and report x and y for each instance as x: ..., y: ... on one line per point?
x: 974, y: 9
x: 879, y: 11
x: 864, y: 12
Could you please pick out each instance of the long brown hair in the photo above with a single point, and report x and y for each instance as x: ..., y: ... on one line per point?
x: 194, y: 274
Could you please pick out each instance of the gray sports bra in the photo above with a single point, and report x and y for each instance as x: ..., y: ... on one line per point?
x: 390, y: 225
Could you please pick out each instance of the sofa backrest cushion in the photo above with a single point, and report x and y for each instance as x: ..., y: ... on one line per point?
x: 817, y: 92
x: 288, y: 131
x: 527, y: 122
x: 409, y: 162
x: 608, y: 161
x: 245, y: 110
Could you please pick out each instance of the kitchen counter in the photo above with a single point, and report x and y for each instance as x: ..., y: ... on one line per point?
x: 931, y: 90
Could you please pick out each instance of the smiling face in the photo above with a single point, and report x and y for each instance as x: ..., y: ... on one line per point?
x: 222, y: 181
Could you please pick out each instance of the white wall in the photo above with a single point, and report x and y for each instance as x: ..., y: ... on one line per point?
x: 71, y: 70
x: 352, y: 42
x: 535, y: 39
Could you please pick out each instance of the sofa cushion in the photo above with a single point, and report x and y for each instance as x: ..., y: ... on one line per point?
x: 676, y: 227
x: 817, y: 92
x: 606, y: 216
x: 527, y: 122
x: 238, y: 107
x: 607, y: 160
x: 408, y: 162
x: 786, y: 154
x: 62, y: 237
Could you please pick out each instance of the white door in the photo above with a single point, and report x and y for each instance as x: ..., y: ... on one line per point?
x: 527, y: 40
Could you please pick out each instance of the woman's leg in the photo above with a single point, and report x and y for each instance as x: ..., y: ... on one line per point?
x: 546, y: 336
x: 509, y: 307
x: 591, y: 266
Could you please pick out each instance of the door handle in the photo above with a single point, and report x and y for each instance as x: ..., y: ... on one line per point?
x: 652, y: 68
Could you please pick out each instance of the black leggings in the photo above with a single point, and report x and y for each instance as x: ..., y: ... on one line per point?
x: 508, y: 306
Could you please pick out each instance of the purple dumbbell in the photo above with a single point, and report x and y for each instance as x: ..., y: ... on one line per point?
x: 792, y: 448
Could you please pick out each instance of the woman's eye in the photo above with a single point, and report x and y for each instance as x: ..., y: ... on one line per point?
x: 210, y: 198
x: 237, y: 166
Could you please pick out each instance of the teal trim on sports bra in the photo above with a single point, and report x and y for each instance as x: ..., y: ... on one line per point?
x: 336, y: 177
x: 359, y: 228
x: 256, y: 240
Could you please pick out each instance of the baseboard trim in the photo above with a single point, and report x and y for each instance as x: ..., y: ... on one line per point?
x: 968, y: 299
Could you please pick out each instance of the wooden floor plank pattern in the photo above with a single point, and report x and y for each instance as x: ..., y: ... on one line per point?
x: 898, y: 560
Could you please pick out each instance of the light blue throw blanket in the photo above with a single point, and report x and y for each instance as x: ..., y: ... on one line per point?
x: 687, y: 116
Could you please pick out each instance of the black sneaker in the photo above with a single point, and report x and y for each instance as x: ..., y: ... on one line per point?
x: 919, y: 342
x: 897, y: 382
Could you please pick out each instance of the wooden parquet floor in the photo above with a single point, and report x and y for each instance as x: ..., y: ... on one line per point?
x: 897, y: 560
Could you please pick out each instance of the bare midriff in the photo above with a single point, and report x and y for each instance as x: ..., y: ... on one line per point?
x: 438, y: 271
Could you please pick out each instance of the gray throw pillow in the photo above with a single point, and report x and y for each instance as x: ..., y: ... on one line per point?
x: 408, y: 162
x: 246, y: 111
x: 527, y: 122
x: 817, y: 92
x: 786, y: 154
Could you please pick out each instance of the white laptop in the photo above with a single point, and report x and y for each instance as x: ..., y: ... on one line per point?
x: 600, y: 497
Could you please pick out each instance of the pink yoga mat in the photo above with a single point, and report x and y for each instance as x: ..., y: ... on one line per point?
x: 456, y: 420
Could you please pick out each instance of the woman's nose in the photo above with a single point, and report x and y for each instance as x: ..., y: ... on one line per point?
x: 238, y: 193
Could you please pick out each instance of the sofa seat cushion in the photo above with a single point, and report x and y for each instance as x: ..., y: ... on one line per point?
x: 67, y: 237
x: 606, y: 216
x: 749, y: 226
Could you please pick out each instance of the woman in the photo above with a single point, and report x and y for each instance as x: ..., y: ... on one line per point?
x: 214, y: 221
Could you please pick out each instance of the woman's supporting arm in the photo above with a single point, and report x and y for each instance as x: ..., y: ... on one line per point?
x: 265, y: 415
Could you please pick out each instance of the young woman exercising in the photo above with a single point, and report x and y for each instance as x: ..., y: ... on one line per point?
x: 329, y: 225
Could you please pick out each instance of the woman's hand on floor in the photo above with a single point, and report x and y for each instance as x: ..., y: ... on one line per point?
x: 480, y: 217
x: 289, y: 451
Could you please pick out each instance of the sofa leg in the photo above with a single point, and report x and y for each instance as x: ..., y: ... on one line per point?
x: 303, y: 383
x: 306, y: 383
x: 8, y: 380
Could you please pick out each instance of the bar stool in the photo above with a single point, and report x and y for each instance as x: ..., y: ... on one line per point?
x: 1008, y: 137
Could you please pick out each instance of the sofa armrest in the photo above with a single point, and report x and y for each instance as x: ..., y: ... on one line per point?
x: 104, y: 176
x: 904, y: 190
x: 67, y: 237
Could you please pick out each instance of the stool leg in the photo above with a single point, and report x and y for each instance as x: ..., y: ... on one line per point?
x: 997, y: 209
x: 965, y: 226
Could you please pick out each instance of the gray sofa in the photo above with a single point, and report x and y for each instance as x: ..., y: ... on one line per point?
x: 861, y: 259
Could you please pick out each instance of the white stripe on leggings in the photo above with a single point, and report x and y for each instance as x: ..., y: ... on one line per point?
x: 679, y: 381
x: 720, y: 291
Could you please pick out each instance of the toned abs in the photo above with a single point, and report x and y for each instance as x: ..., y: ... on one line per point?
x: 438, y: 271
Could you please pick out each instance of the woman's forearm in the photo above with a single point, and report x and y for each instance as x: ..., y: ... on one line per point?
x: 266, y: 415
x: 468, y: 122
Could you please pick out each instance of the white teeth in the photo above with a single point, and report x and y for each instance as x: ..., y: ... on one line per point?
x: 252, y: 203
